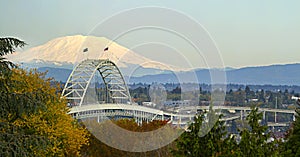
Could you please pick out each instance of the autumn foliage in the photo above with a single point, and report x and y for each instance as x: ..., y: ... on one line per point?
x: 99, y: 148
x: 34, y: 119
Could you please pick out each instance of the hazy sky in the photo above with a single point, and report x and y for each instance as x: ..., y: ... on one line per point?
x: 247, y: 33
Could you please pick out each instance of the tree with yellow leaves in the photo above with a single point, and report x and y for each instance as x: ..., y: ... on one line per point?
x: 34, y: 108
x: 33, y: 116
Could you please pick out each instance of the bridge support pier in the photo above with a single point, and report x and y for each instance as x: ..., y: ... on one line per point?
x: 241, y: 115
x: 179, y: 121
x: 294, y: 118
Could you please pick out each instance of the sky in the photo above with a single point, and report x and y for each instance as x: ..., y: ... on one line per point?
x: 247, y: 33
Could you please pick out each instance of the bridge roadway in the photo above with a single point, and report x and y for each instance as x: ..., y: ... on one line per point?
x: 156, y: 111
x: 149, y: 114
x: 236, y: 108
x: 84, y: 109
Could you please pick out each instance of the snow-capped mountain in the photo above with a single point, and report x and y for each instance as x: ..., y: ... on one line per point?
x: 59, y: 56
x: 73, y: 49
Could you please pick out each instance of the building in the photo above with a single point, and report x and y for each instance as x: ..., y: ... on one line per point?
x: 177, y: 103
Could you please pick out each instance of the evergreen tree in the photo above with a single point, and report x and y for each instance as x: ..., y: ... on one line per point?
x: 194, y: 143
x: 248, y: 92
x: 292, y: 146
x: 8, y: 46
x: 261, y: 96
x: 254, y: 140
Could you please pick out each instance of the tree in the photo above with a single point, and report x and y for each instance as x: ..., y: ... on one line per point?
x: 7, y: 46
x: 247, y: 91
x: 254, y: 140
x: 33, y: 117
x: 32, y: 110
x: 239, y: 97
x: 214, y: 143
x: 98, y: 148
x: 261, y: 96
x: 292, y: 145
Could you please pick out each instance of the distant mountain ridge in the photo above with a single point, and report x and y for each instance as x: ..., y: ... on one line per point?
x: 59, y: 74
x: 288, y: 74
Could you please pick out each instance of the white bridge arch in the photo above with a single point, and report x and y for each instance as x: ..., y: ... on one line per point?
x: 77, y: 84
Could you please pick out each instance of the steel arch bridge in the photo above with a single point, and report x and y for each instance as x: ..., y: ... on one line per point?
x: 81, y: 77
x: 118, y: 100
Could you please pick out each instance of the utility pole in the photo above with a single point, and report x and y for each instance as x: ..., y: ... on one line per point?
x: 276, y: 103
x: 275, y: 108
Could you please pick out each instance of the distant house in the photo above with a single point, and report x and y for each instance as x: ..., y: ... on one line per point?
x: 295, y: 98
x: 148, y: 104
x: 253, y: 100
x: 177, y: 103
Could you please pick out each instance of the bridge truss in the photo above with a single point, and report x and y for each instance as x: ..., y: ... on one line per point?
x: 77, y: 84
